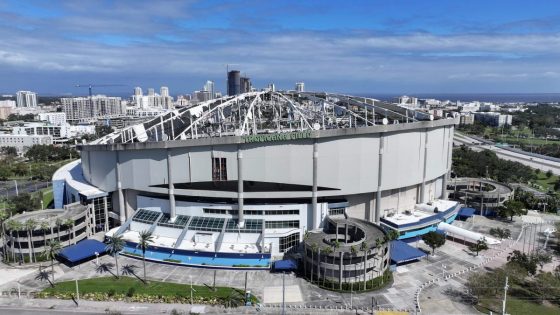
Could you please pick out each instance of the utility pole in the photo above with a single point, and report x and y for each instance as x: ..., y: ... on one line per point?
x: 17, y: 193
x: 245, y: 292
x: 77, y: 292
x: 505, y: 297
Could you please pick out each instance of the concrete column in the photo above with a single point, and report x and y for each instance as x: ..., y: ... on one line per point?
x: 314, y: 188
x: 444, y: 186
x: 240, y: 187
x: 122, y: 210
x: 379, y: 180
x: 106, y: 212
x: 423, y: 186
x: 92, y: 209
x: 171, y: 188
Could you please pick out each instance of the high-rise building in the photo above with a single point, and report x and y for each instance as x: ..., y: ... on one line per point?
x: 300, y: 87
x: 137, y: 91
x: 245, y: 84
x: 272, y: 87
x: 164, y: 91
x: 209, y: 87
x: 151, y: 92
x: 83, y: 108
x: 26, y: 99
x: 234, y: 82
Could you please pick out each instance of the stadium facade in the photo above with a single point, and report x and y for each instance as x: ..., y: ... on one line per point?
x: 249, y: 174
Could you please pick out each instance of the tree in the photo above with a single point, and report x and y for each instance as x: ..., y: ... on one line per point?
x: 9, y: 151
x: 480, y: 245
x: 327, y: 250
x: 542, y: 258
x: 434, y: 240
x: 549, y: 174
x: 501, y: 233
x: 364, y: 248
x: 523, y: 260
x: 146, y: 238
x: 25, y: 202
x: 114, y: 246
x: 44, y: 226
x: 30, y: 225
x: 69, y: 223
x: 335, y: 246
x: 314, y: 249
x: 50, y: 253
x: 3, y: 217
x: 510, y: 209
x: 58, y: 224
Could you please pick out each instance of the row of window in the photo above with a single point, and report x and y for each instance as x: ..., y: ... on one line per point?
x: 252, y: 212
x: 282, y: 224
x: 288, y: 242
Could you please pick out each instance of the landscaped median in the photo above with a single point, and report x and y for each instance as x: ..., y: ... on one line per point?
x: 134, y: 290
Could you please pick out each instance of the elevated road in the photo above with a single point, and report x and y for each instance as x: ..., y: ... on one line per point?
x: 537, y: 161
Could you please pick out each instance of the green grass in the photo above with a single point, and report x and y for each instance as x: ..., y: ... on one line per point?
x: 153, y: 288
x: 48, y: 197
x: 545, y: 182
x: 517, y: 307
x: 532, y: 141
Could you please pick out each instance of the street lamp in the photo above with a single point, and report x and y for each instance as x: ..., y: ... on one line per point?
x: 443, y: 267
x: 97, y: 258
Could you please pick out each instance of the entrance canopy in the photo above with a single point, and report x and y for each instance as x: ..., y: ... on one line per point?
x: 285, y: 265
x: 401, y: 252
x: 466, y: 212
x: 82, y: 251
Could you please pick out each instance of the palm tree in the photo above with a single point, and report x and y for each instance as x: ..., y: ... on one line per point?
x: 50, y: 253
x: 305, y: 238
x: 353, y: 251
x: 30, y: 225
x: 114, y: 246
x: 3, y: 218
x: 335, y: 246
x: 58, y: 224
x: 11, y: 225
x: 45, y: 227
x: 69, y: 223
x: 314, y: 248
x: 146, y: 238
x: 16, y: 226
x: 364, y: 248
x: 327, y: 250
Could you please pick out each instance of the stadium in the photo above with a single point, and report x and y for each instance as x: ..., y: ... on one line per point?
x: 237, y: 181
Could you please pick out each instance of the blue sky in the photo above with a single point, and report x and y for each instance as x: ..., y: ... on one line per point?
x: 348, y: 46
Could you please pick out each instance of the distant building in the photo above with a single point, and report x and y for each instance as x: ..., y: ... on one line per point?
x: 138, y: 91
x: 57, y: 119
x: 6, y: 108
x: 469, y: 107
x: 151, y: 92
x: 209, y: 87
x: 58, y: 132
x: 164, y: 91
x: 26, y: 99
x: 234, y: 82
x: 466, y: 119
x: 23, y: 142
x: 407, y: 100
x: 245, y: 84
x: 493, y: 119
x: 272, y: 87
x: 300, y: 87
x: 202, y: 96
x: 79, y: 109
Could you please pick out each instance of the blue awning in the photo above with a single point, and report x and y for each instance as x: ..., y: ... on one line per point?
x: 285, y: 265
x: 466, y: 212
x: 83, y: 250
x: 402, y: 252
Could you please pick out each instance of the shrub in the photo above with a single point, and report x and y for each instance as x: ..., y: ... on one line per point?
x: 111, y: 292
x: 130, y: 292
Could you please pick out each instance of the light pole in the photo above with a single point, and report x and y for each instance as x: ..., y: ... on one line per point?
x: 97, y: 258
x: 443, y: 267
x: 283, y: 294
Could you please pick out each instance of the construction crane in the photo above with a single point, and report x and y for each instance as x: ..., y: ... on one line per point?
x: 90, y: 86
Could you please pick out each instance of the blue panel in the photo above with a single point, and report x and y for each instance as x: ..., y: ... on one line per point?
x: 402, y: 252
x: 82, y: 250
x: 285, y: 265
x: 466, y: 212
x: 419, y: 232
x: 58, y: 193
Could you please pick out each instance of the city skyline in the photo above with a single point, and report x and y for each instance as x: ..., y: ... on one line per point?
x: 362, y: 47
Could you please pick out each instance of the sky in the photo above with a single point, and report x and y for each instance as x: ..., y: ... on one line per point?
x: 397, y: 46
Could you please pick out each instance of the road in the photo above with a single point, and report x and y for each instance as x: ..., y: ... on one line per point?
x: 31, y: 311
x: 526, y: 159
